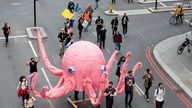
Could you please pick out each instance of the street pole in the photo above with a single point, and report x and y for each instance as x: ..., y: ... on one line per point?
x: 155, y: 4
x: 35, y: 13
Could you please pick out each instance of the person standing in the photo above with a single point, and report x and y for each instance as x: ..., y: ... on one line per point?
x: 99, y: 24
x: 62, y: 36
x: 6, y: 29
x: 86, y: 18
x: 80, y: 26
x: 119, y: 65
x: 102, y: 37
x: 124, y: 22
x: 90, y: 10
x: 129, y: 88
x: 110, y: 92
x: 29, y: 101
x: 71, y: 6
x: 67, y: 24
x: 159, y: 96
x: 33, y: 64
x: 113, y: 1
x: 114, y: 24
x: 96, y: 4
x: 148, y: 81
x: 22, y: 88
x: 117, y: 39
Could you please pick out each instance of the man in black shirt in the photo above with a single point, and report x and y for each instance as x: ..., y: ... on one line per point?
x: 110, y: 92
x: 114, y: 24
x: 33, y: 64
x: 62, y: 37
x: 124, y: 22
x: 99, y: 22
x: 129, y: 88
x: 102, y: 33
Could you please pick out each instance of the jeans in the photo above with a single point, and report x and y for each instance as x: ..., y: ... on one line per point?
x: 102, y: 42
x: 96, y: 5
x: 130, y: 98
x: 124, y: 29
x: 118, y: 46
x: 159, y: 104
x: 147, y: 92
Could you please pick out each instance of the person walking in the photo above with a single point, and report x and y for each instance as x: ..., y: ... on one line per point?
x: 96, y: 4
x: 99, y: 24
x: 129, y: 88
x: 33, y: 64
x: 29, y: 101
x: 80, y: 26
x: 148, y: 81
x: 113, y: 1
x: 114, y: 25
x: 117, y: 39
x: 90, y: 10
x: 159, y: 96
x: 102, y: 33
x: 22, y: 88
x: 110, y: 92
x: 62, y: 36
x: 67, y: 24
x: 130, y: 1
x: 71, y: 6
x: 124, y: 22
x: 6, y: 29
x: 119, y: 65
x: 86, y: 18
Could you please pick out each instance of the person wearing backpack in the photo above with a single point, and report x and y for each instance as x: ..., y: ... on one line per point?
x: 159, y: 96
x: 29, y: 101
x: 148, y: 81
x: 6, y: 29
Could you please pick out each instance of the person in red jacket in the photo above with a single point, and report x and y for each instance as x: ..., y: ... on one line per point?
x: 117, y: 39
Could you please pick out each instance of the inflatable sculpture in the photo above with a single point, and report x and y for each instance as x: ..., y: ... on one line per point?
x: 83, y: 69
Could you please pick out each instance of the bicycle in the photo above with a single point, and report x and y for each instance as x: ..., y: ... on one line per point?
x: 187, y: 43
x: 173, y: 18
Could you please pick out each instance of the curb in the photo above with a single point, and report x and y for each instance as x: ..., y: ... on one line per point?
x: 152, y: 1
x: 114, y: 13
x: 165, y: 9
x: 31, y: 35
x: 168, y: 70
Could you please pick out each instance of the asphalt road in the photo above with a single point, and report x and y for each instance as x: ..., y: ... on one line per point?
x: 145, y: 30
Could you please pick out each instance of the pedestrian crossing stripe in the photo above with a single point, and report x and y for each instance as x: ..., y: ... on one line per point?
x: 134, y: 12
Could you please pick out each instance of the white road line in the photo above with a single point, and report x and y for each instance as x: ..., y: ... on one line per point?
x: 163, y: 4
x: 95, y: 33
x: 31, y: 45
x: 50, y: 103
x: 12, y: 37
x: 108, y: 50
x: 139, y: 89
x: 44, y: 73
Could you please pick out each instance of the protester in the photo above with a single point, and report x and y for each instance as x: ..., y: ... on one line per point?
x: 22, y: 88
x: 67, y: 24
x: 6, y: 29
x: 159, y: 95
x: 80, y: 26
x: 71, y: 6
x: 117, y: 39
x: 114, y: 24
x: 99, y: 23
x: 110, y: 92
x: 130, y: 1
x: 33, y: 64
x: 124, y: 22
x: 102, y: 33
x: 129, y: 88
x: 96, y: 4
x: 29, y: 101
x: 113, y: 1
x: 148, y: 81
x: 86, y: 17
x: 90, y: 10
x: 69, y: 39
x: 119, y: 65
x: 62, y: 36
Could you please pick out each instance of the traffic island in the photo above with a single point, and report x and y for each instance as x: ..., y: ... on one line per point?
x: 166, y: 9
x: 31, y: 31
x: 178, y: 67
x: 111, y: 13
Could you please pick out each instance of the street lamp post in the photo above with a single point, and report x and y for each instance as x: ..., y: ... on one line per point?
x: 155, y: 4
x: 35, y: 13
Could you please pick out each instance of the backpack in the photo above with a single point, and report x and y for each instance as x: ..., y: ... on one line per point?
x: 158, y: 90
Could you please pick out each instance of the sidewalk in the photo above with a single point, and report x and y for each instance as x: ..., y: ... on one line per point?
x: 178, y: 67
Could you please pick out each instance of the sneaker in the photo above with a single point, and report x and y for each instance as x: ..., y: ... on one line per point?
x: 130, y: 106
x: 147, y: 100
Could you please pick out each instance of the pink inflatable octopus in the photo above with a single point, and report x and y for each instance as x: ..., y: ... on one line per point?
x: 83, y: 69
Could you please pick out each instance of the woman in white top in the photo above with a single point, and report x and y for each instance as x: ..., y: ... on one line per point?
x: 159, y: 95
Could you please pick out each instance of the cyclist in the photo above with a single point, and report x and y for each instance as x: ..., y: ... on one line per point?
x: 179, y: 13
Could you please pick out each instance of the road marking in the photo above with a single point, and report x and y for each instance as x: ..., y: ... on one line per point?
x: 95, y: 33
x: 15, y: 4
x: 139, y: 90
x: 108, y: 50
x: 12, y: 37
x: 163, y: 4
x: 44, y: 73
x: 134, y: 12
x: 31, y: 45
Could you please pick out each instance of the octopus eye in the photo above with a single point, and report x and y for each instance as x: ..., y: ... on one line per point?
x: 71, y: 69
x: 103, y: 68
